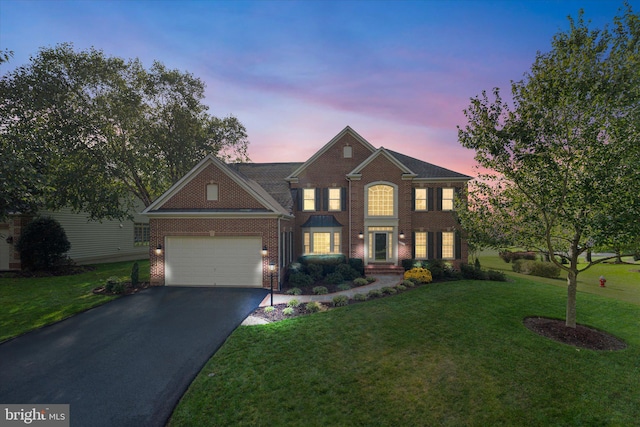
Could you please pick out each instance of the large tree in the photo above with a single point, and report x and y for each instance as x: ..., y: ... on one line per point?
x: 89, y: 131
x: 562, y: 160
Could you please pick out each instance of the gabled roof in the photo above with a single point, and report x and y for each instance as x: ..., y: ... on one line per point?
x: 345, y: 131
x: 249, y: 185
x: 271, y: 177
x: 384, y: 153
x: 428, y: 171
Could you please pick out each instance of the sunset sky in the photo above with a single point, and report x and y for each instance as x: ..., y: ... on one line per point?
x: 295, y: 73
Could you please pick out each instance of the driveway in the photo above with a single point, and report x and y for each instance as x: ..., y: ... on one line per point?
x: 125, y: 363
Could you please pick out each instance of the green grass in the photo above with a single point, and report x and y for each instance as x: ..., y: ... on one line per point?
x: 623, y: 280
x: 447, y: 354
x: 30, y: 303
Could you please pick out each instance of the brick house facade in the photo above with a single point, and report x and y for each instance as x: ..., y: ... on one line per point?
x: 226, y: 224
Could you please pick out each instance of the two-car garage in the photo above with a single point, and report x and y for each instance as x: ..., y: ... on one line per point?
x: 234, y: 261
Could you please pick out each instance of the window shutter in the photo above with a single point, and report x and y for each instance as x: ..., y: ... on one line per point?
x: 343, y: 199
x: 325, y: 199
x: 458, y: 246
x: 438, y: 245
x: 430, y: 245
x: 439, y: 198
x: 296, y: 193
x: 413, y: 200
x: 430, y: 204
x: 413, y: 245
x: 318, y: 199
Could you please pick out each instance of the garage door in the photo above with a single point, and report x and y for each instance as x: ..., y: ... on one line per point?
x: 213, y: 261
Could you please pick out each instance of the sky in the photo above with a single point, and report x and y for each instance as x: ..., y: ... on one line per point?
x: 295, y: 73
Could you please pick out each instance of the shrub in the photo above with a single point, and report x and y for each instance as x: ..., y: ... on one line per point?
x: 389, y: 290
x: 294, y: 291
x: 374, y: 293
x: 287, y: 311
x: 299, y: 280
x: 114, y: 285
x: 334, y: 278
x: 340, y: 300
x: 327, y: 262
x: 293, y: 303
x: 422, y: 275
x: 135, y: 275
x: 439, y: 269
x: 471, y: 272
x: 344, y: 287
x: 358, y: 265
x: 42, y: 244
x: 313, y: 307
x: 315, y: 271
x: 360, y: 297
x: 410, y: 263
x: 508, y: 256
x: 360, y: 281
x: 408, y: 283
x: 347, y: 272
x: 536, y: 268
x: 401, y: 287
x: 320, y: 290
x: 370, y: 279
x: 496, y: 276
x: 269, y: 309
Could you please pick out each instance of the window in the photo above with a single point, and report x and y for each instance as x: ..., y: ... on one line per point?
x: 448, y: 239
x: 212, y: 191
x: 420, y: 245
x: 322, y: 242
x: 348, y: 151
x: 447, y: 199
x: 421, y: 199
x: 380, y: 200
x: 335, y: 202
x: 309, y: 199
x: 140, y: 234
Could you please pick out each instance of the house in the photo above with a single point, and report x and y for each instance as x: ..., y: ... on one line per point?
x: 227, y: 224
x: 91, y: 241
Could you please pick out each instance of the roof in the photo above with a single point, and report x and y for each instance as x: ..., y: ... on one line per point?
x: 321, y: 221
x: 271, y: 177
x: 425, y: 170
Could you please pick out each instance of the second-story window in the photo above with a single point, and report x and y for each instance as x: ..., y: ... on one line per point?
x: 421, y: 199
x: 309, y: 199
x: 447, y: 199
x: 335, y: 202
x: 380, y: 200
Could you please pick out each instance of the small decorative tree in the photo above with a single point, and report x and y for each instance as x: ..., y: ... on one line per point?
x: 135, y: 275
x: 42, y: 244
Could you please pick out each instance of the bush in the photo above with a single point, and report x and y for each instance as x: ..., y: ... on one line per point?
x: 294, y: 291
x: 114, y: 285
x: 360, y: 297
x: 328, y: 263
x: 334, y: 278
x: 536, y: 268
x: 370, y: 279
x: 347, y: 272
x: 389, y: 290
x: 269, y: 309
x: 410, y: 263
x: 374, y: 293
x: 439, y: 269
x: 299, y: 280
x: 358, y: 265
x: 313, y: 307
x: 42, y: 244
x: 401, y: 287
x: 360, y: 281
x: 320, y: 290
x: 293, y: 303
x: 344, y: 287
x: 288, y: 311
x: 340, y: 300
x: 508, y: 256
x: 408, y: 283
x: 422, y: 275
x: 135, y: 275
x: 315, y: 271
x: 496, y: 276
x: 472, y: 273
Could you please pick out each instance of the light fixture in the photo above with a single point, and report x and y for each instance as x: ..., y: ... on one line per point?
x: 402, y: 234
x: 361, y: 235
x: 159, y: 249
x: 264, y: 250
x: 272, y: 268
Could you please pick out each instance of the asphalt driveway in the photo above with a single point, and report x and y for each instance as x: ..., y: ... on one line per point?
x: 125, y: 363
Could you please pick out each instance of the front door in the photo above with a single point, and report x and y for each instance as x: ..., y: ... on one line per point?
x: 380, y: 246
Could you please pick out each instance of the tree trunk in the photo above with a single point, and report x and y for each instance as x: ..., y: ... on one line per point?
x: 572, y: 286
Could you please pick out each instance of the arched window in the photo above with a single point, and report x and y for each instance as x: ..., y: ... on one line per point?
x: 380, y: 200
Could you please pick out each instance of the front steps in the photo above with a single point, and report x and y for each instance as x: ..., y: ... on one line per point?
x: 382, y: 269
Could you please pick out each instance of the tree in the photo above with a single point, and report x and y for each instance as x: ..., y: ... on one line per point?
x: 563, y: 160
x: 88, y: 131
x: 42, y: 244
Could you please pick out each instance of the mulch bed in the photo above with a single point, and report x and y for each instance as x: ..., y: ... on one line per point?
x: 582, y: 336
x: 128, y: 289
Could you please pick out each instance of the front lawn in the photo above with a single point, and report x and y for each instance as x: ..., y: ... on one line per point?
x: 30, y: 303
x: 454, y: 353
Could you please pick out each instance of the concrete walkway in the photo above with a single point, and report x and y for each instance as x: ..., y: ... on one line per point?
x: 381, y: 282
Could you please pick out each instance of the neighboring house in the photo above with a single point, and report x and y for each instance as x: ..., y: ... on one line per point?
x: 210, y: 228
x: 91, y: 241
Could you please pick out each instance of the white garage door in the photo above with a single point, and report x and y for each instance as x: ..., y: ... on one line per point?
x: 213, y: 261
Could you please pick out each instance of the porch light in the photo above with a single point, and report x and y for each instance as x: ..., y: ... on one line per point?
x: 264, y: 250
x: 402, y: 234
x: 159, y: 249
x: 272, y: 268
x: 361, y: 235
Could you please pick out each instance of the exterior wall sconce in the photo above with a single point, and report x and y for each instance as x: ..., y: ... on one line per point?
x: 361, y: 235
x: 159, y: 249
x: 264, y: 250
x: 402, y: 234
